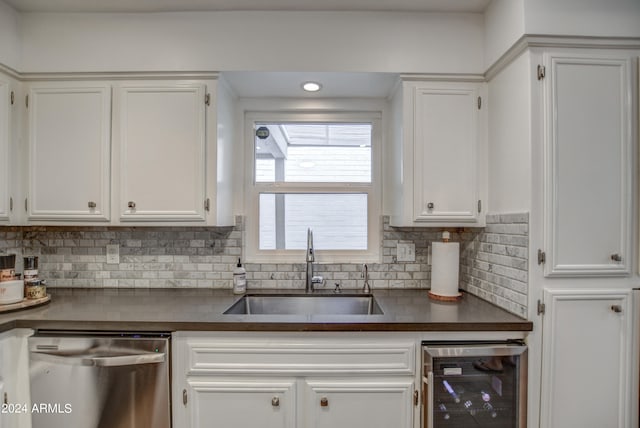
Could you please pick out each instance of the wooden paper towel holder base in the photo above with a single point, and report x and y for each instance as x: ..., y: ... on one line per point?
x: 445, y: 298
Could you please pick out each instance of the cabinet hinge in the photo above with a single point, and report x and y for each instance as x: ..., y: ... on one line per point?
x: 479, y: 205
x: 479, y: 103
x: 26, y: 100
x: 207, y: 204
x: 184, y: 397
x: 541, y: 72
x: 541, y: 308
x: 13, y: 97
x: 207, y: 99
x: 542, y: 257
x: 416, y: 397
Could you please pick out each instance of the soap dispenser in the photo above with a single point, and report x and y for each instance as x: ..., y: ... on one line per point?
x: 239, y: 279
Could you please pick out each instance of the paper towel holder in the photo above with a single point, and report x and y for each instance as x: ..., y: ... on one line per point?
x: 446, y: 290
x: 445, y: 298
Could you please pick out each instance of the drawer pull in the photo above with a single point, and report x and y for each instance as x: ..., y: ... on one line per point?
x: 616, y: 308
x: 616, y: 257
x: 131, y: 205
x: 91, y: 204
x: 275, y: 401
x: 324, y: 402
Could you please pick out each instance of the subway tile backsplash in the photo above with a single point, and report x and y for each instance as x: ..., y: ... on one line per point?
x: 494, y: 265
x: 493, y: 260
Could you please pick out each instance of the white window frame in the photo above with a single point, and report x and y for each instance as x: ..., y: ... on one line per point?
x: 373, y: 190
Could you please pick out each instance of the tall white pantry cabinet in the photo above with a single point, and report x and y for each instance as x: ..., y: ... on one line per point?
x: 582, y: 279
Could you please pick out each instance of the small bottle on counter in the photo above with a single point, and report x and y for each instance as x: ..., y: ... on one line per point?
x: 30, y: 268
x: 239, y: 279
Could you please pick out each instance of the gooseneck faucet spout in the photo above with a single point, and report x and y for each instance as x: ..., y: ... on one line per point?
x: 366, y: 288
x: 310, y: 260
x: 311, y: 281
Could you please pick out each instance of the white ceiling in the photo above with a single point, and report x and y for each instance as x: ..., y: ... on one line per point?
x: 276, y: 5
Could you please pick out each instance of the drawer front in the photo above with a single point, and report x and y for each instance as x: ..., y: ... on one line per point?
x: 300, y: 357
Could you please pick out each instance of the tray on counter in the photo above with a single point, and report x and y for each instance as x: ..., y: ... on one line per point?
x: 24, y: 304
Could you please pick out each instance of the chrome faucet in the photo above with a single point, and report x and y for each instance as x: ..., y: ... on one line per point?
x: 366, y: 288
x: 311, y: 281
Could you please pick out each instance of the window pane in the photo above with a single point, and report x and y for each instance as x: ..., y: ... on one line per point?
x: 339, y: 221
x: 315, y: 153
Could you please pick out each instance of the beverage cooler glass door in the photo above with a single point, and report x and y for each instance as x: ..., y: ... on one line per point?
x: 468, y: 385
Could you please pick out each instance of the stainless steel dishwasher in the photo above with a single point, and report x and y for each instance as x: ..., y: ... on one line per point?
x: 99, y: 380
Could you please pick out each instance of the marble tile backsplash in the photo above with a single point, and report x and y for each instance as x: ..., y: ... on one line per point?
x: 199, y: 257
x: 494, y: 266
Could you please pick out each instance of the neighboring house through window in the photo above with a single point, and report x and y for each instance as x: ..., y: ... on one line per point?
x: 313, y: 171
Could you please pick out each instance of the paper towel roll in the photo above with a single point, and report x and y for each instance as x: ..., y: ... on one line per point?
x: 445, y: 258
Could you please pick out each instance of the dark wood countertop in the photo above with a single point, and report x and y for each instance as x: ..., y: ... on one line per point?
x: 202, y: 309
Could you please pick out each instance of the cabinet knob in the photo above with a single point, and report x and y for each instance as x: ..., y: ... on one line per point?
x: 91, y: 204
x: 616, y: 257
x: 131, y: 204
x: 275, y: 401
x: 431, y: 205
x: 324, y: 402
x: 616, y: 308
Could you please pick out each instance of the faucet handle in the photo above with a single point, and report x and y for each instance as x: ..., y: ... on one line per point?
x: 317, y: 280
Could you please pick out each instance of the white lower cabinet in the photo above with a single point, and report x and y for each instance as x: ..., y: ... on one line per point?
x: 285, y: 381
x: 358, y: 403
x: 239, y: 403
x: 586, y: 370
x: 14, y: 379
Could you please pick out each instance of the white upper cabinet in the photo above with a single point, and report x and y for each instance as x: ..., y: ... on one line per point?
x: 69, y: 151
x: 439, y: 173
x: 589, y: 137
x: 140, y: 151
x: 5, y: 176
x: 162, y: 148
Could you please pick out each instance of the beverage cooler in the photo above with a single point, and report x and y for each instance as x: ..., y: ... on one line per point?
x: 474, y: 384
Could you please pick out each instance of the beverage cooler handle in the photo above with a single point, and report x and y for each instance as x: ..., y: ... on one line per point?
x: 430, y: 401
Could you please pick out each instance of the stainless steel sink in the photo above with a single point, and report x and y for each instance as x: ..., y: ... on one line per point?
x: 308, y: 304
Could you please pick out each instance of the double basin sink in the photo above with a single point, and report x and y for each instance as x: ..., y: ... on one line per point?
x: 305, y: 304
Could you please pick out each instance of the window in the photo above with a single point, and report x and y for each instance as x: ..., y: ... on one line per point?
x: 313, y: 172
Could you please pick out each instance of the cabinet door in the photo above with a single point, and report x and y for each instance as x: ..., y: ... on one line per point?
x: 586, y: 359
x: 589, y: 166
x: 162, y: 153
x: 445, y: 158
x: 69, y: 152
x: 4, y: 150
x: 14, y: 378
x: 353, y: 403
x: 239, y: 403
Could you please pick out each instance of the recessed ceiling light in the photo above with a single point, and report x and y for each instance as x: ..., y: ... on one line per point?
x: 311, y: 86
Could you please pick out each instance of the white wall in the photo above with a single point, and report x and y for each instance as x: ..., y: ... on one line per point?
x: 10, y: 42
x: 504, y: 25
x: 261, y: 41
x: 510, y: 138
x: 610, y: 18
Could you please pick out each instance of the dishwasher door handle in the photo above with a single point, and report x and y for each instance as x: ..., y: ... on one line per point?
x: 99, y: 361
